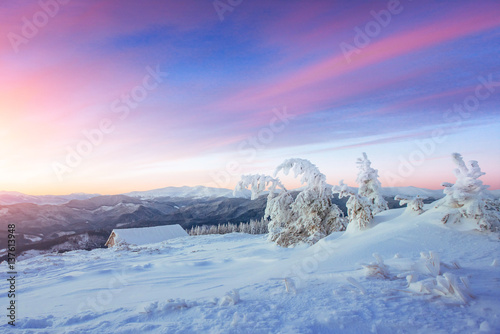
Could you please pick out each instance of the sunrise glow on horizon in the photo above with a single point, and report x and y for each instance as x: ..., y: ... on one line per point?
x: 116, y: 96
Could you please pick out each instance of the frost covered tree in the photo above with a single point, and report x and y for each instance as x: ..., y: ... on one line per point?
x: 313, y: 214
x: 252, y: 227
x: 278, y: 207
x: 359, y: 209
x: 258, y: 183
x: 369, y: 185
x: 308, y: 218
x: 467, y: 197
x: 414, y: 204
x: 279, y: 213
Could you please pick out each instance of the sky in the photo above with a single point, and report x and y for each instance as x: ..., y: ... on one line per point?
x: 115, y: 96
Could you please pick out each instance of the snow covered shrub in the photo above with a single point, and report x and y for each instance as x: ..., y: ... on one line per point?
x: 414, y: 204
x: 156, y: 308
x: 445, y: 285
x: 369, y: 185
x: 432, y: 263
x: 429, y: 264
x: 231, y: 298
x: 377, y: 269
x: 290, y: 285
x: 356, y: 284
x: 359, y: 210
x: 425, y: 277
x: 467, y: 198
x: 308, y: 218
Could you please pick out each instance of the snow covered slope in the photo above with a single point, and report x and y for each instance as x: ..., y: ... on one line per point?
x: 427, y: 278
x: 422, y: 192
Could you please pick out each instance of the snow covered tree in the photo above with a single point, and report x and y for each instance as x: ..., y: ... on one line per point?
x: 278, y: 208
x: 313, y: 214
x: 414, y: 204
x: 369, y: 185
x: 308, y: 218
x: 258, y: 184
x: 252, y: 227
x: 359, y: 209
x: 467, y: 197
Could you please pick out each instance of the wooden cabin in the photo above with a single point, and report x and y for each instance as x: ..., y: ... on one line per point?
x: 145, y: 235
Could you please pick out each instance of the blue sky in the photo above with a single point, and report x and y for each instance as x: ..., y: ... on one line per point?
x: 411, y: 93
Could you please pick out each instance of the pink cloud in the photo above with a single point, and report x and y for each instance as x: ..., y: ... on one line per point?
x: 394, y: 107
x: 290, y: 85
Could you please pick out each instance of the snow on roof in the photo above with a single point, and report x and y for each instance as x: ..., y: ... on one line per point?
x: 148, y: 235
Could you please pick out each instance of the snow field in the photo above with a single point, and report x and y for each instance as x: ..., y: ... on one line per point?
x: 425, y: 277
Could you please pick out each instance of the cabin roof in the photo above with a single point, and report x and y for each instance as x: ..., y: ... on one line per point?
x: 147, y: 235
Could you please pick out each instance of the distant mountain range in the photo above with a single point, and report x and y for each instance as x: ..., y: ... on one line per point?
x: 198, y: 192
x: 84, y: 221
x: 14, y: 197
x: 189, y: 192
x: 412, y: 191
